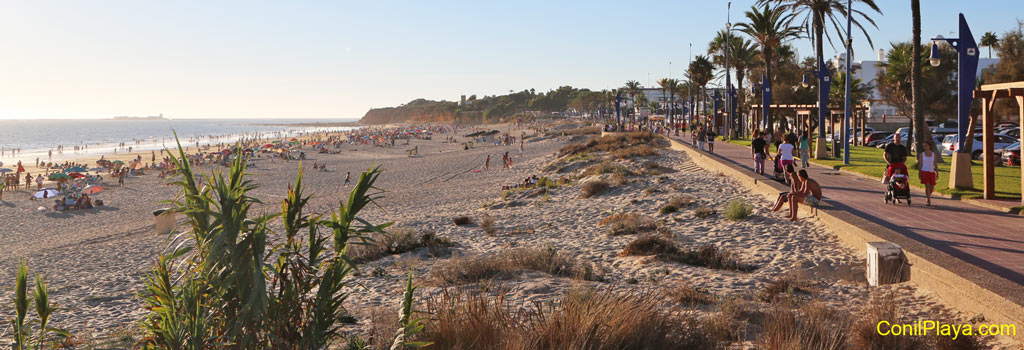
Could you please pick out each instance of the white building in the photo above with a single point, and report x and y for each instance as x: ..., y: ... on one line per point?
x: 867, y: 72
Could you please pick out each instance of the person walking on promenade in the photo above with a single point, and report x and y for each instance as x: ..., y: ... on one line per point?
x: 711, y: 139
x: 348, y: 177
x: 487, y: 162
x: 809, y: 193
x: 759, y: 151
x: 786, y: 155
x: 805, y: 148
x: 701, y: 136
x: 928, y: 162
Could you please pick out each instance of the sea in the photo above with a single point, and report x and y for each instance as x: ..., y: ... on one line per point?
x: 35, y: 138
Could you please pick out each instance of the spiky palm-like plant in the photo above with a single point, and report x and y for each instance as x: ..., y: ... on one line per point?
x: 222, y: 287
x: 27, y: 337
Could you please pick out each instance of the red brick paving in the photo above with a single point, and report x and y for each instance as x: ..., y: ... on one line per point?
x: 989, y: 239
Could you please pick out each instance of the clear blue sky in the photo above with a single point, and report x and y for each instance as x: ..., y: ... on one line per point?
x: 201, y: 58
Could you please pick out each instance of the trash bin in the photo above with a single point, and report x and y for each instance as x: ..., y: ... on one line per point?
x: 164, y: 221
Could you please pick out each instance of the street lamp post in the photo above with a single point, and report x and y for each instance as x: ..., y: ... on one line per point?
x: 824, y: 76
x: 967, y: 70
x: 728, y: 98
x: 846, y: 115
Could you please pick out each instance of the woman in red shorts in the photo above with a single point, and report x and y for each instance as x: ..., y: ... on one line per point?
x: 927, y: 162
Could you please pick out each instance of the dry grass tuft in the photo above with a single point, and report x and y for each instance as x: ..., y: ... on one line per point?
x: 613, y: 143
x: 811, y: 327
x: 487, y: 224
x: 785, y: 285
x: 398, y: 241
x: 704, y: 212
x: 581, y: 320
x: 706, y: 256
x: 687, y: 294
x: 628, y: 224
x: 461, y: 270
x: 593, y: 188
x: 462, y: 220
x: 634, y: 151
x: 607, y: 167
x: 864, y: 330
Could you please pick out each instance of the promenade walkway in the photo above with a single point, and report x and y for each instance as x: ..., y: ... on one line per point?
x: 986, y: 238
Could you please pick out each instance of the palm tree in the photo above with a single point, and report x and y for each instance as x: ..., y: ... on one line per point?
x: 633, y: 88
x: 990, y: 40
x: 815, y: 13
x: 770, y: 28
x: 700, y: 73
x: 915, y: 78
x: 664, y: 84
x: 742, y: 56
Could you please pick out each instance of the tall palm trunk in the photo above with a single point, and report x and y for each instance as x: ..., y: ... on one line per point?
x: 768, y: 84
x: 915, y: 68
x: 819, y: 33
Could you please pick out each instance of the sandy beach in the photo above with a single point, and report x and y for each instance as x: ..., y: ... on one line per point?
x: 93, y: 259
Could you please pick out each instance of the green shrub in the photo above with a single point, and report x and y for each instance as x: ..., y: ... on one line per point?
x: 738, y: 209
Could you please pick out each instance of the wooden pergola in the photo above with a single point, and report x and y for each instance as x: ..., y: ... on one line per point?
x: 804, y: 111
x: 989, y: 94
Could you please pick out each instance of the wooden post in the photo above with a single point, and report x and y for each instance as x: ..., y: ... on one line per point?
x: 987, y: 149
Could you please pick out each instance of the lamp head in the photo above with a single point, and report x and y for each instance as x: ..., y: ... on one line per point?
x: 934, y: 59
x: 804, y: 82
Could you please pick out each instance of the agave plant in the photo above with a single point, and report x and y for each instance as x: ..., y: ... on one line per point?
x: 221, y: 287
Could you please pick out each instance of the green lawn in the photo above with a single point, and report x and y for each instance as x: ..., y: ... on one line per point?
x: 869, y: 161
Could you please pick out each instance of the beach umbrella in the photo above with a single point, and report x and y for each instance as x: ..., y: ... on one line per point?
x: 93, y: 189
x: 268, y: 145
x: 118, y: 162
x: 57, y: 176
x: 75, y: 169
x: 45, y: 193
x: 98, y: 169
x: 275, y: 141
x: 76, y: 175
x: 5, y: 170
x: 293, y: 139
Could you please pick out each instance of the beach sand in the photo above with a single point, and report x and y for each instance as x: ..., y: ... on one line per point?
x: 93, y: 259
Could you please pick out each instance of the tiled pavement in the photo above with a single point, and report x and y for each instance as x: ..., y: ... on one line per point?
x: 989, y: 239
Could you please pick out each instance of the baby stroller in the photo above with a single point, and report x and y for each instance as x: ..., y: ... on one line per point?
x: 898, y: 188
x: 778, y: 173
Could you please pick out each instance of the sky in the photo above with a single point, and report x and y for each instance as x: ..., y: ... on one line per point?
x: 337, y: 59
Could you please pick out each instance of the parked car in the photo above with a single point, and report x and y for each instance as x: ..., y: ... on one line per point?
x: 1011, y: 154
x: 950, y: 145
x: 876, y: 136
x: 1007, y: 125
x: 881, y: 143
